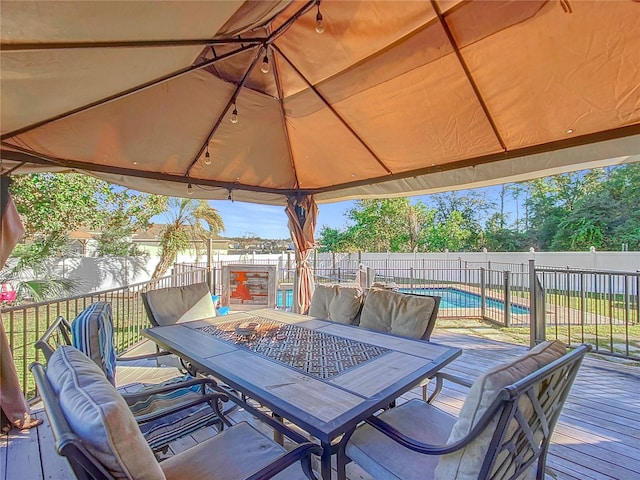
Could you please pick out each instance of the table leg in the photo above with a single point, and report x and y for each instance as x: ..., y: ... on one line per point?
x: 277, y: 436
x: 325, y: 461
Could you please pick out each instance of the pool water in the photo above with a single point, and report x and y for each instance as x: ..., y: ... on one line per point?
x: 454, y: 298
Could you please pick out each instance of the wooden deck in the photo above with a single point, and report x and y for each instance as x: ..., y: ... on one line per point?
x: 597, y: 437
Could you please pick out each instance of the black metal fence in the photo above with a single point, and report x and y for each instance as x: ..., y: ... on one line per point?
x: 25, y: 324
x: 577, y: 306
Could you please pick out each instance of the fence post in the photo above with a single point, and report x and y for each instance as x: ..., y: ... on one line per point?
x: 483, y: 293
x: 411, y: 277
x: 315, y: 265
x: 536, y: 307
x: 209, y: 264
x: 507, y: 298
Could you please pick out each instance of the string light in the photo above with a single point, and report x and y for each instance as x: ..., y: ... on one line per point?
x: 319, y: 22
x: 265, y: 64
x: 229, y: 197
x: 207, y: 157
x: 234, y: 114
x: 189, y: 189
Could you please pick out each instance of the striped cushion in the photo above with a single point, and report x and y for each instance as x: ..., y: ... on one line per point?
x: 162, y: 431
x: 92, y: 334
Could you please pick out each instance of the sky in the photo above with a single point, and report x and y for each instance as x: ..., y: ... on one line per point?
x: 265, y: 221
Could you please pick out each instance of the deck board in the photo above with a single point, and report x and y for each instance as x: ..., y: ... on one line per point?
x: 597, y: 436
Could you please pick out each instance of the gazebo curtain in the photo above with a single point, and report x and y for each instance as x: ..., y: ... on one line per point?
x: 302, y: 213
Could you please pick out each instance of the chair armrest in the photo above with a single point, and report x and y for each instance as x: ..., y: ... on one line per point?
x: 144, y: 357
x: 302, y: 453
x: 210, y: 398
x: 440, y: 377
x: 204, y: 382
x: 430, y: 449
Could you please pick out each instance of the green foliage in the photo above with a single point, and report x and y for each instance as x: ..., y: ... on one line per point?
x: 332, y: 240
x: 573, y: 211
x: 54, y: 205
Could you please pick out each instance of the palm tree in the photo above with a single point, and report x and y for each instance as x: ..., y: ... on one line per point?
x: 29, y: 272
x: 186, y: 220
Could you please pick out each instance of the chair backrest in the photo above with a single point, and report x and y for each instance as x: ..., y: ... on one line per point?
x: 337, y: 303
x: 407, y: 315
x: 59, y: 333
x: 167, y: 306
x: 91, y: 332
x: 91, y: 423
x: 509, y: 415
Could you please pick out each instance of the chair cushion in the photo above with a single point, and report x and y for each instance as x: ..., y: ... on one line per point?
x: 99, y: 416
x: 180, y: 304
x: 336, y: 303
x: 467, y: 462
x: 381, y: 457
x: 236, y: 452
x: 397, y: 313
x: 168, y: 428
x: 92, y: 334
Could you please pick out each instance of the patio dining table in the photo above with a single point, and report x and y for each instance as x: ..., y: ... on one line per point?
x: 322, y: 376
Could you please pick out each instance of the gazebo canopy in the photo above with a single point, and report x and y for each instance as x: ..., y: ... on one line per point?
x: 393, y: 98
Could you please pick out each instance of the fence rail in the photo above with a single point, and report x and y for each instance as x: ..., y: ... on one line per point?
x: 578, y: 306
x: 601, y: 308
x: 25, y: 324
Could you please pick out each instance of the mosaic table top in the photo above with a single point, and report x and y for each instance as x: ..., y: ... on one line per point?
x: 318, y: 354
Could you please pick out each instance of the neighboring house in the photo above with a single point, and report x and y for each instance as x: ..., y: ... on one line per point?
x: 84, y: 242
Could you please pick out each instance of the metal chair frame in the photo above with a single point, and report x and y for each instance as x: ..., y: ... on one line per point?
x: 85, y: 466
x: 546, y: 389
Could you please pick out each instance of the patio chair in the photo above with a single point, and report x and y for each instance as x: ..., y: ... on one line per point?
x: 337, y: 303
x: 171, y: 305
x: 167, y: 306
x: 503, y: 430
x: 407, y: 315
x: 165, y: 411
x: 94, y: 429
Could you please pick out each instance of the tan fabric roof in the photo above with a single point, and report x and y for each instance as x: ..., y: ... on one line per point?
x: 393, y: 98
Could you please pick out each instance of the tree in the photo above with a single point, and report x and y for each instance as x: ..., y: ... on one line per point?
x: 186, y: 219
x: 53, y: 205
x: 332, y: 240
x: 393, y: 225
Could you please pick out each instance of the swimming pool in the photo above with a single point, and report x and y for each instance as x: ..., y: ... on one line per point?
x: 455, y: 298
x: 451, y: 298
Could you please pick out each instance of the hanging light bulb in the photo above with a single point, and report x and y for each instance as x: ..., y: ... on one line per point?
x: 207, y: 157
x: 265, y: 64
x: 229, y: 197
x: 319, y: 22
x: 234, y: 114
x: 189, y: 189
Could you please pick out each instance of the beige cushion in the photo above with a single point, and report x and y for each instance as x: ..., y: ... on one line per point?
x: 99, y: 416
x: 397, y: 313
x: 237, y: 452
x: 466, y: 463
x: 336, y: 303
x: 384, y: 458
x: 180, y: 304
